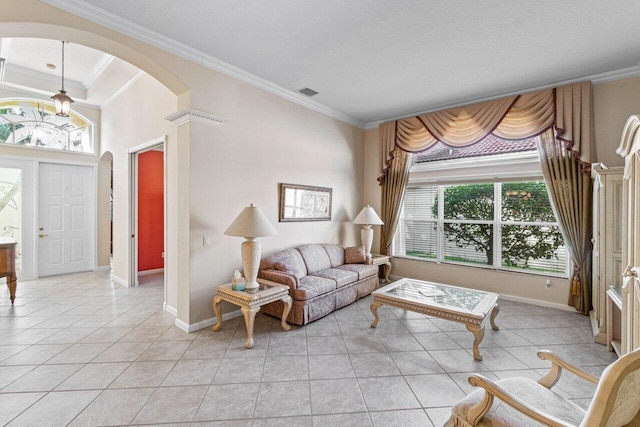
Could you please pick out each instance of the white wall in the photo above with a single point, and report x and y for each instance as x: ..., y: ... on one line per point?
x: 135, y: 117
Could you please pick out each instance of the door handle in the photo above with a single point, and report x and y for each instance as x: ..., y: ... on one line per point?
x: 42, y: 235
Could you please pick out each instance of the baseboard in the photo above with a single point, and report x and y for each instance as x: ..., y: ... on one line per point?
x: 119, y: 281
x: 599, y: 336
x: 171, y: 310
x: 539, y: 303
x: 155, y: 270
x: 192, y: 327
x: 102, y: 268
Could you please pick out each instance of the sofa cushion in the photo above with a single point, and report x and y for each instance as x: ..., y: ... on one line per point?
x: 287, y: 261
x: 355, y: 255
x: 363, y: 270
x: 311, y: 286
x: 342, y: 277
x: 335, y: 253
x: 315, y: 257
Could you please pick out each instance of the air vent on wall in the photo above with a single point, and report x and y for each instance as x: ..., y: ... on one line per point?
x: 308, y: 92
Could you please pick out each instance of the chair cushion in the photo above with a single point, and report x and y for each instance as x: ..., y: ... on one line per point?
x: 311, y: 286
x: 355, y: 255
x: 342, y: 277
x: 363, y: 270
x: 315, y: 257
x: 527, y: 390
x: 335, y: 253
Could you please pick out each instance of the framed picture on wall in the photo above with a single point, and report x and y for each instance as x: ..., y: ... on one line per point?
x: 304, y: 203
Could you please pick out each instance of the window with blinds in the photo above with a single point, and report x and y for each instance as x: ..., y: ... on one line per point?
x: 503, y: 225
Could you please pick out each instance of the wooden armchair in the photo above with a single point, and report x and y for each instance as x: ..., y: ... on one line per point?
x: 524, y: 402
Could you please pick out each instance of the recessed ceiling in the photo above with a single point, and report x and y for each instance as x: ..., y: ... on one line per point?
x: 379, y: 59
x: 91, y: 77
x: 35, y: 54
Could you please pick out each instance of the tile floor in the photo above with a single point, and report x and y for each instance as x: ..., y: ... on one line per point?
x: 78, y: 350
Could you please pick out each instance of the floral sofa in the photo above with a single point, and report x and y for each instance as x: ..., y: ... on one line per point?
x: 321, y: 279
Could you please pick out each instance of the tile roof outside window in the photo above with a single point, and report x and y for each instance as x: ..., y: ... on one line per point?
x: 490, y: 145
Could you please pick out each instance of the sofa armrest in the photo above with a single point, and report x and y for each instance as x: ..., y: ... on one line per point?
x: 279, y: 277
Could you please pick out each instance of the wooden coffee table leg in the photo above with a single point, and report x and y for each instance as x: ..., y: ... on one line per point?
x: 374, y: 310
x: 216, y: 309
x: 478, y: 334
x: 494, y: 314
x: 249, y: 314
x: 287, y: 307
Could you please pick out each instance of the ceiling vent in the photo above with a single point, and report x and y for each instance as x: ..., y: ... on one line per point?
x: 308, y: 92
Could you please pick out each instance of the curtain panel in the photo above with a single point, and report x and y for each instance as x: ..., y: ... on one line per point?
x: 565, y: 109
x: 571, y: 194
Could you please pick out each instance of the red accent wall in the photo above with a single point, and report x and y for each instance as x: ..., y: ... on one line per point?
x: 150, y: 210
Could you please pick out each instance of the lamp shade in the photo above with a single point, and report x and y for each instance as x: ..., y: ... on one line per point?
x: 368, y: 216
x: 251, y: 223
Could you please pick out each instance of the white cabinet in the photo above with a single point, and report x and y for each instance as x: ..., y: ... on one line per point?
x: 630, y: 291
x: 607, y: 244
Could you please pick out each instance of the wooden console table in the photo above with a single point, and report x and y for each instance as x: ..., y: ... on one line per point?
x: 8, y: 265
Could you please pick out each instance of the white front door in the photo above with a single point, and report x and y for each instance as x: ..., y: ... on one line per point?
x: 65, y: 219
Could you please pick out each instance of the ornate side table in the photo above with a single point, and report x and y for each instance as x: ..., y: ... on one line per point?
x: 250, y: 304
x: 383, y: 260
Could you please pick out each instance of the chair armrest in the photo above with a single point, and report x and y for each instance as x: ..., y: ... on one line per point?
x: 557, y: 363
x: 491, y: 390
x: 279, y: 277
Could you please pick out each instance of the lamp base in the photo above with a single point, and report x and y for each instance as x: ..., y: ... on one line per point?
x: 366, y: 234
x: 250, y: 263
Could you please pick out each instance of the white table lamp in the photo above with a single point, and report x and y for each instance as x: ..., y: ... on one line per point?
x: 251, y: 224
x: 367, y: 217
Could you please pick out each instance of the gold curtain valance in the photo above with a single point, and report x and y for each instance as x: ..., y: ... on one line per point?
x: 567, y: 109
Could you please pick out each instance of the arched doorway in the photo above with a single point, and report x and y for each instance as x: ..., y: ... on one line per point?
x: 21, y: 21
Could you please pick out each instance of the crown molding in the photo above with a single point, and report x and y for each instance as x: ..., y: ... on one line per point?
x: 124, y: 26
x: 187, y: 115
x: 122, y: 89
x: 43, y: 94
x: 608, y: 76
x: 97, y: 70
x: 34, y: 74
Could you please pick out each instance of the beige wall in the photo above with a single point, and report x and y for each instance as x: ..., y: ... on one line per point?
x: 613, y: 102
x: 264, y: 141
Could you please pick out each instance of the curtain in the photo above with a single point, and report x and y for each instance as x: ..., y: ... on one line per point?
x: 394, y: 184
x: 566, y: 109
x: 570, y: 192
x: 564, y: 113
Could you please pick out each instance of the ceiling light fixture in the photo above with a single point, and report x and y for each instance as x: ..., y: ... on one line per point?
x: 61, y: 100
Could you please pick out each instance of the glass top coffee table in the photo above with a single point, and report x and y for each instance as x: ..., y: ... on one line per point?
x: 470, y: 307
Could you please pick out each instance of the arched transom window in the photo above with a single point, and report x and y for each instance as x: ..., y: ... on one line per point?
x: 34, y: 123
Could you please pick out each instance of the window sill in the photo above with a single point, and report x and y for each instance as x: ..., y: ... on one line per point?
x: 502, y: 270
